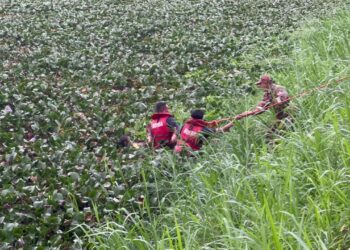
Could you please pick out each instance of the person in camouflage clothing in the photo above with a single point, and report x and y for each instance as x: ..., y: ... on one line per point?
x: 275, y: 97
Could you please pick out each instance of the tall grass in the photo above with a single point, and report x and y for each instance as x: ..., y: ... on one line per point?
x: 244, y: 194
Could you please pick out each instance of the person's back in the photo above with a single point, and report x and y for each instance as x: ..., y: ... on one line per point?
x: 195, y: 131
x: 162, y: 129
x: 191, y: 133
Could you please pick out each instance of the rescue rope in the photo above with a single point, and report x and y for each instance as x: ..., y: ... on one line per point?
x: 306, y: 92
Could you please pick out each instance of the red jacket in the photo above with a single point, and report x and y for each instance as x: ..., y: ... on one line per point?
x: 190, y: 133
x: 159, y: 129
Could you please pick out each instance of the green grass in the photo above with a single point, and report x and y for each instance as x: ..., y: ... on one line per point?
x: 243, y: 194
x: 81, y: 73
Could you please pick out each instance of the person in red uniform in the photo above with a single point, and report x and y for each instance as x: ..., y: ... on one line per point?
x: 275, y: 96
x: 195, y: 131
x: 162, y: 130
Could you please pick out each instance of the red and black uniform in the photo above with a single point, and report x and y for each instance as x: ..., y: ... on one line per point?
x: 192, y: 134
x: 161, y: 129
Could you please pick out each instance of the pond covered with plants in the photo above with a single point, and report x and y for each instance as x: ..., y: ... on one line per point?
x: 76, y: 75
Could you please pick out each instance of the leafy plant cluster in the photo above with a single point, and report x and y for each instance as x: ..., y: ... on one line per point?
x: 75, y: 75
x: 244, y: 194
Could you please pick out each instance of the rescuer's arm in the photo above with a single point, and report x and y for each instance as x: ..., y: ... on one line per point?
x: 256, y: 111
x: 225, y: 128
x: 260, y: 108
x: 149, y: 135
x: 175, y: 127
x: 173, y: 138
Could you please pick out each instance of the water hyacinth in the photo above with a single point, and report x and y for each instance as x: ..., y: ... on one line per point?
x: 76, y: 75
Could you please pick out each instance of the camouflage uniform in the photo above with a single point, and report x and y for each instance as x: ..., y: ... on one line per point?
x: 274, y: 95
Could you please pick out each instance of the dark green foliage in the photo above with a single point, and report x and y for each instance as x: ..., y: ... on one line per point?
x: 76, y: 75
